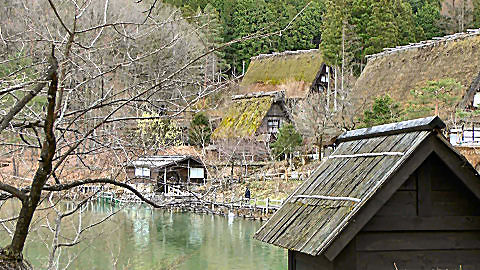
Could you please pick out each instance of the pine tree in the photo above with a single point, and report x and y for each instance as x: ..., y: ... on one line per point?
x: 381, y: 28
x: 429, y: 19
x: 199, y: 131
x: 384, y: 110
x: 287, y: 142
x: 211, y: 36
x: 335, y: 15
x: 433, y: 97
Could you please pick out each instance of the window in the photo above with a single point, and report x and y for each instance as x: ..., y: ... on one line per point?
x: 476, y: 100
x: 142, y: 172
x: 273, y: 125
x: 196, y: 173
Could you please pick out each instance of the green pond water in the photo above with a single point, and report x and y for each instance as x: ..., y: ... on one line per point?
x: 142, y: 238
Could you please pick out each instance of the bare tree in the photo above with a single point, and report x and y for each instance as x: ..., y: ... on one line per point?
x: 75, y: 77
x: 104, y: 69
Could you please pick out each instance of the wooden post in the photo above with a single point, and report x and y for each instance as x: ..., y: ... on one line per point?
x: 473, y: 132
x: 14, y: 166
x: 231, y: 173
x: 165, y: 180
x: 188, y: 173
x: 328, y: 88
x: 267, y: 205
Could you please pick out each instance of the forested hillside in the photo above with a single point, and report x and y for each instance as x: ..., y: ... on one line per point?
x: 366, y: 26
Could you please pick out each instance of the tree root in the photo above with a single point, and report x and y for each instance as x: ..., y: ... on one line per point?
x: 11, y: 261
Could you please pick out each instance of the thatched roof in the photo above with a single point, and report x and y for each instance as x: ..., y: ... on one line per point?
x: 244, y: 117
x: 397, y: 71
x: 366, y: 168
x: 292, y: 71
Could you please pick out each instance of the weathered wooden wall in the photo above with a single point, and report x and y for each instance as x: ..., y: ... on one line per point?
x: 277, y: 111
x: 180, y: 169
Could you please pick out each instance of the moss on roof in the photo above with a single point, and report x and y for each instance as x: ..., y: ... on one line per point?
x: 396, y: 74
x: 243, y: 118
x: 293, y: 71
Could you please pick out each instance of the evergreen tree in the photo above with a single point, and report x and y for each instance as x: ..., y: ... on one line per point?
x: 476, y: 14
x: 240, y: 18
x: 199, y: 131
x: 429, y: 19
x: 433, y: 97
x: 368, y: 26
x: 333, y: 22
x: 212, y: 37
x: 408, y: 30
x: 390, y: 24
x: 287, y: 142
x: 384, y: 110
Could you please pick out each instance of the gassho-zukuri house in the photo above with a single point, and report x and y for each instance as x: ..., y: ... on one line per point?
x: 396, y: 196
x: 297, y: 73
x: 250, y: 123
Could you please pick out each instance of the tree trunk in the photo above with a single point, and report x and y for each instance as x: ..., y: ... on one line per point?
x: 30, y: 203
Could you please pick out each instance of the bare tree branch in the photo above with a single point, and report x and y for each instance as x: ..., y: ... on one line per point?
x: 31, y: 94
x: 14, y: 191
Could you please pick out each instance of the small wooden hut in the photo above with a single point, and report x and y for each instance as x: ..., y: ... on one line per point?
x: 396, y: 196
x: 167, y: 170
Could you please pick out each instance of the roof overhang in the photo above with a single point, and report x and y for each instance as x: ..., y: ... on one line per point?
x: 434, y: 143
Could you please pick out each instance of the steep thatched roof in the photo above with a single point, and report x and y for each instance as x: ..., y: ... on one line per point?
x: 243, y: 117
x: 396, y: 71
x: 292, y: 71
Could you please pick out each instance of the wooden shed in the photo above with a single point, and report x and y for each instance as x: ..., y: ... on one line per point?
x: 396, y: 196
x: 169, y: 169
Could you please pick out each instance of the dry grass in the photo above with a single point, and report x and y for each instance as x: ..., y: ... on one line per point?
x: 396, y: 74
x: 294, y: 73
x: 243, y: 118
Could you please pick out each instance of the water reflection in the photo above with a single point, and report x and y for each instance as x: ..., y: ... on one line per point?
x: 141, y: 238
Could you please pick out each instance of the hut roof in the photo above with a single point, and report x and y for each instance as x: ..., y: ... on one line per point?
x: 244, y: 117
x: 292, y: 71
x: 161, y: 161
x: 359, y: 177
x: 396, y: 71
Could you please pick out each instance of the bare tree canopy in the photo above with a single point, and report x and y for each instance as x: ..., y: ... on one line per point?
x: 75, y: 78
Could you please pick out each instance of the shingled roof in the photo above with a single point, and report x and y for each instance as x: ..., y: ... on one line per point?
x: 396, y: 71
x: 291, y: 71
x: 362, y: 173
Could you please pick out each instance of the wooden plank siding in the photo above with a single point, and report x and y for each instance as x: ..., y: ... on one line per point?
x: 414, y: 203
x: 445, y: 234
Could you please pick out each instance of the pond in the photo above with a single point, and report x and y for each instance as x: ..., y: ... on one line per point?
x: 138, y: 237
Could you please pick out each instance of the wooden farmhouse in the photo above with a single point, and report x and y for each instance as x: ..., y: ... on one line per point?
x: 296, y: 72
x: 250, y: 123
x: 398, y: 71
x: 164, y: 171
x: 396, y: 196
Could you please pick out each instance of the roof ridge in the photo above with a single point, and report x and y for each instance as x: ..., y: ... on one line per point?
x: 426, y: 43
x: 421, y: 124
x: 278, y: 94
x: 284, y: 53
